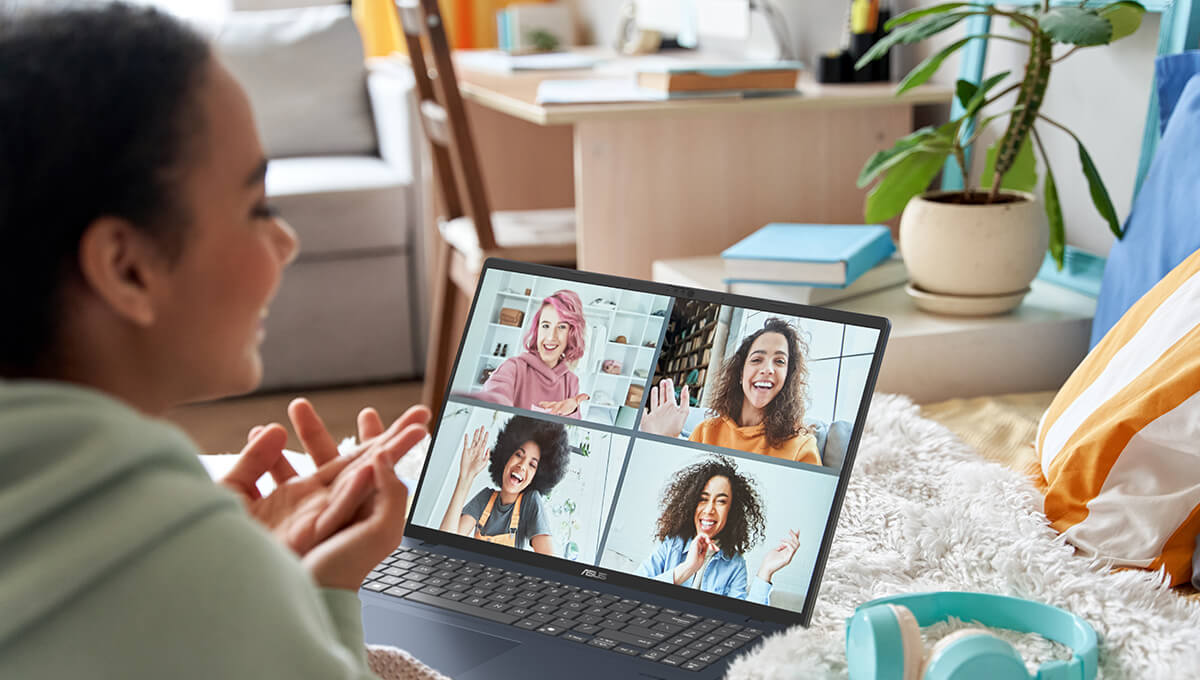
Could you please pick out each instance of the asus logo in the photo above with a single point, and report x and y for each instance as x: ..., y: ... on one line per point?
x: 592, y: 573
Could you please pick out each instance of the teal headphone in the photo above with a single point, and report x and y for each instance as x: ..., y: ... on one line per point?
x: 883, y: 639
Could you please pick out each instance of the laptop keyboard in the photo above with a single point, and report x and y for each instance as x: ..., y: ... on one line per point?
x: 580, y: 615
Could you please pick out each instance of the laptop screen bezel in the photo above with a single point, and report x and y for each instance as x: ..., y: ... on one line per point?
x: 642, y: 583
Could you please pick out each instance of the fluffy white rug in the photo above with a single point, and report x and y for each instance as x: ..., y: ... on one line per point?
x: 924, y: 512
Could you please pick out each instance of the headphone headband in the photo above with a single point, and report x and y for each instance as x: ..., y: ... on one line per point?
x: 1001, y: 611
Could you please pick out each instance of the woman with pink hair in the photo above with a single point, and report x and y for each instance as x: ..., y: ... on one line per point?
x: 540, y: 378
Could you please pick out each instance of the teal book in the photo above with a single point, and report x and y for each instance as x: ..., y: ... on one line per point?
x: 1082, y: 271
x: 832, y: 255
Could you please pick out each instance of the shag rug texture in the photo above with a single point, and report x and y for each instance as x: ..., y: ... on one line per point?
x: 924, y: 512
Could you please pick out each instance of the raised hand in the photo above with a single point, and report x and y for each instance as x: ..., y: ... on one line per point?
x: 663, y: 415
x: 696, y: 554
x: 780, y: 556
x: 565, y: 407
x: 475, y: 456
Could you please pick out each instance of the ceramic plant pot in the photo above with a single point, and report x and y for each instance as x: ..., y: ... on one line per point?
x: 972, y: 253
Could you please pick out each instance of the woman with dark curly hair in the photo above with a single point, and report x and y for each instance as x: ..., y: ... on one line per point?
x: 711, y: 516
x: 758, y: 402
x: 530, y: 457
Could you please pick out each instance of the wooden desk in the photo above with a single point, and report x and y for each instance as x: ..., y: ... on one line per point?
x: 668, y: 179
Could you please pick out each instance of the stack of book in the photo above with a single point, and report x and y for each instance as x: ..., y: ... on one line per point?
x: 813, y: 264
x: 681, y: 76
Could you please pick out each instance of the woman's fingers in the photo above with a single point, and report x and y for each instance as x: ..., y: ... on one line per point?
x: 312, y: 431
x: 684, y: 402
x: 391, y: 505
x: 414, y: 415
x: 261, y: 455
x: 370, y: 425
x: 400, y: 444
x: 344, y: 502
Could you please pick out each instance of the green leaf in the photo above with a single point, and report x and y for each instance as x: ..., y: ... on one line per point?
x: 881, y: 160
x: 927, y: 68
x: 1124, y: 16
x: 1099, y: 193
x: 911, y: 33
x: 914, y: 14
x: 940, y: 140
x: 1076, y: 26
x: 1022, y: 176
x: 972, y: 107
x: 1058, y: 237
x: 907, y: 179
x: 965, y: 91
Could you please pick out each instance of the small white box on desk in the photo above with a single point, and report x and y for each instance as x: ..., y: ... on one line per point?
x: 931, y: 357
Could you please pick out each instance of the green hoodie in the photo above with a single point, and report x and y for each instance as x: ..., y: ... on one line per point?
x: 119, y: 558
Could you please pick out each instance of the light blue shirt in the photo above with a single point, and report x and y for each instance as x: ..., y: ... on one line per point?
x: 724, y: 575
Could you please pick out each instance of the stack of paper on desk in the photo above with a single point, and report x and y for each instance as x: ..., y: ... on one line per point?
x: 607, y: 90
x: 498, y: 61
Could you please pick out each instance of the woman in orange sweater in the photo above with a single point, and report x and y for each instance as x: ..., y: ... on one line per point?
x: 758, y: 402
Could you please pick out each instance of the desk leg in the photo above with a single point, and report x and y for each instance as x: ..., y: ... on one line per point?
x: 670, y: 186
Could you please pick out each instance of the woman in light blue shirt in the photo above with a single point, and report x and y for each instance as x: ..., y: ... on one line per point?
x: 712, y: 515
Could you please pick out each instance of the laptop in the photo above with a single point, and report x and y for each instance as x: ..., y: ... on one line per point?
x: 626, y: 479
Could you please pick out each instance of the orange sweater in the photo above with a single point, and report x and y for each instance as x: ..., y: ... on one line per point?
x: 722, y: 431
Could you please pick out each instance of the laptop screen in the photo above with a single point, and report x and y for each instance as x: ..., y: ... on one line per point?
x: 688, y: 442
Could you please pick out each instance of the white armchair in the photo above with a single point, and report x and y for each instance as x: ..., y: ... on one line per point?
x: 343, y: 168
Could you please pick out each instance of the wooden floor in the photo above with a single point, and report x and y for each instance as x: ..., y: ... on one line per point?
x: 221, y: 426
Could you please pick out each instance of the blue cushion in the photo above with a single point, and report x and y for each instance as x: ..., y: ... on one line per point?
x: 1161, y: 230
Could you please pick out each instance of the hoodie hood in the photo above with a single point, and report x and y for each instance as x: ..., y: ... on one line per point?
x: 86, y: 484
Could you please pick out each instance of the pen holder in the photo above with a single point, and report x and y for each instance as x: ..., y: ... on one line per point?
x: 879, y: 70
x: 835, y: 68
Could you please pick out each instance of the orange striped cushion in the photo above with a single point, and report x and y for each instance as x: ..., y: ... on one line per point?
x: 1120, y: 444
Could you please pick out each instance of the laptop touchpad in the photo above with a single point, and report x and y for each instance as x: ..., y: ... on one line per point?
x: 445, y: 647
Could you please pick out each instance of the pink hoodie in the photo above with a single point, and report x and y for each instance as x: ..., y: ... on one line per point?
x: 525, y: 380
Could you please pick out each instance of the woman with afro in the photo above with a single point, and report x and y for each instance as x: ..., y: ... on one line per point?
x: 529, y: 458
x: 758, y: 401
x: 711, y: 516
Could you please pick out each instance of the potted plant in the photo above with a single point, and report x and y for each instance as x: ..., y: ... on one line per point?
x: 985, y: 240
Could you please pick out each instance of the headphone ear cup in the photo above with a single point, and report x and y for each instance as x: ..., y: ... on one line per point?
x: 973, y: 653
x: 884, y: 643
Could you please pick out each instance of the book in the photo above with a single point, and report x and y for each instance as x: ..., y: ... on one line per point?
x: 891, y: 272
x: 700, y: 79
x: 813, y: 254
